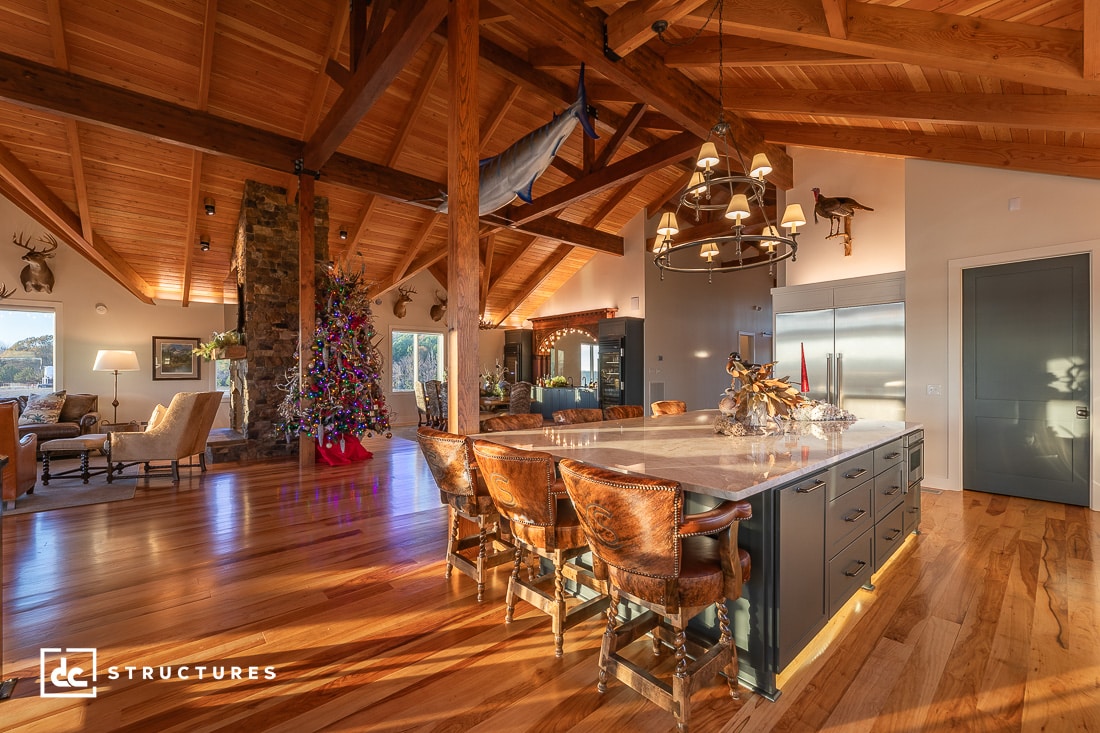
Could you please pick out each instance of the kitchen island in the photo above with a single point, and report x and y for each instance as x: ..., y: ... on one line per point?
x: 832, y: 502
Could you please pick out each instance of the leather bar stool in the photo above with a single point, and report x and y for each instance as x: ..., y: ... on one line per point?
x: 452, y: 465
x: 501, y: 423
x: 527, y: 493
x: 668, y: 407
x: 575, y: 415
x: 623, y: 412
x: 672, y: 565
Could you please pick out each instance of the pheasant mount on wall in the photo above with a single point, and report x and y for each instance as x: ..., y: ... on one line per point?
x: 838, y: 210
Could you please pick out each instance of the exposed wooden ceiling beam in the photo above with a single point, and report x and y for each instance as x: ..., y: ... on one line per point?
x: 43, y: 87
x: 406, y: 33
x: 541, y: 273
x: 659, y: 156
x: 579, y: 29
x: 488, y: 244
x: 1055, y: 160
x: 422, y: 263
x: 417, y: 244
x: 630, y: 27
x: 498, y: 113
x: 836, y: 17
x: 667, y: 195
x: 738, y: 51
x: 1028, y: 54
x: 633, y: 117
x: 47, y: 208
x: 1067, y: 113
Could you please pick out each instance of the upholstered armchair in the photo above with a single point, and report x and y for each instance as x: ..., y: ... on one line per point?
x: 19, y: 475
x: 181, y: 432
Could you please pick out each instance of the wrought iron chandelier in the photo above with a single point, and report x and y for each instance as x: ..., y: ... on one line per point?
x: 718, y: 187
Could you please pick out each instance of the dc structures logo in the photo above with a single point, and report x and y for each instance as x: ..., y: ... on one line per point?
x: 68, y: 672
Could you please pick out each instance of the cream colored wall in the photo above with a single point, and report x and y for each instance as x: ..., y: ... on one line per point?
x: 490, y: 343
x: 128, y: 324
x: 878, y: 237
x: 606, y: 281
x: 959, y: 217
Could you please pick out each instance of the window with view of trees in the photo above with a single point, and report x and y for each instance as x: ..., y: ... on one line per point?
x: 26, y: 351
x: 415, y: 357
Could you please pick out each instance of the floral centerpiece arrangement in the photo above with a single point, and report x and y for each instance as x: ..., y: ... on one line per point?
x: 755, y: 399
x: 494, y: 383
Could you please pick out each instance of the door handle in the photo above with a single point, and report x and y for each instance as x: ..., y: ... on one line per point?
x: 1083, y: 413
x: 813, y: 487
x: 840, y: 380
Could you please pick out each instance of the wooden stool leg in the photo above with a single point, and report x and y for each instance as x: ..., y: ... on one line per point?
x: 558, y: 615
x: 510, y: 601
x: 607, y: 648
x: 84, y: 466
x: 45, y: 468
x: 452, y: 540
x: 725, y: 637
x: 481, y: 558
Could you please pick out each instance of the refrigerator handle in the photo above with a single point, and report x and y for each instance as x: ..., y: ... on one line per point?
x: 828, y: 377
x: 839, y: 380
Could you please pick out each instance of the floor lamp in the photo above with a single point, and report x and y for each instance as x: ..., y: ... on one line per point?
x: 116, y: 361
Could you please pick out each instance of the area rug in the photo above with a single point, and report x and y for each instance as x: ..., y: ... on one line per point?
x: 63, y: 493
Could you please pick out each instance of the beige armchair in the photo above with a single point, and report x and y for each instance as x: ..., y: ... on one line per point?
x: 180, y: 433
x: 20, y: 474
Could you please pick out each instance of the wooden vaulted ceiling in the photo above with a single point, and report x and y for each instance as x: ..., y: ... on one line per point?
x: 119, y: 117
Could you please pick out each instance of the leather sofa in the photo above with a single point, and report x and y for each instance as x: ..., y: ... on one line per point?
x: 79, y: 416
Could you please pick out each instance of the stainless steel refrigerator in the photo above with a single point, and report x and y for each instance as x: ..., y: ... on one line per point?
x: 855, y: 357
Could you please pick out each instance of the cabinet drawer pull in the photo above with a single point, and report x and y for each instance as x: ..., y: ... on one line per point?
x: 892, y: 456
x: 892, y: 492
x: 856, y: 473
x: 856, y: 517
x: 807, y: 489
x: 857, y: 571
x: 894, y: 536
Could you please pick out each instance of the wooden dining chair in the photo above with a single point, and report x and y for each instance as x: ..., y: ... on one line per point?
x: 674, y: 566
x: 528, y: 494
x: 455, y: 472
x: 668, y: 407
x: 501, y: 423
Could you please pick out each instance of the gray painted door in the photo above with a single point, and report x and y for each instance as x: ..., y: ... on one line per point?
x: 1025, y: 379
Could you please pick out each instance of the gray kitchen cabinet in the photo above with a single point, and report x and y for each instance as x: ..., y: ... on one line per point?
x: 801, y: 558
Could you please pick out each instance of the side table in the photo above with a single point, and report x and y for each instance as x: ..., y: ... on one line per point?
x: 123, y: 427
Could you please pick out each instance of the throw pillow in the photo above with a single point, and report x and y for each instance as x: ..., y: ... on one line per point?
x: 77, y: 406
x: 42, y: 409
x: 158, y: 414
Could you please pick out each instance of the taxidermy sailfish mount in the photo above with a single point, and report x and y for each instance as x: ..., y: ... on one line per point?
x: 514, y: 171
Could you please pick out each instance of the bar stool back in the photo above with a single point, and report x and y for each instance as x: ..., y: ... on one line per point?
x: 668, y: 407
x: 527, y: 493
x: 672, y: 565
x: 452, y: 465
x: 623, y: 412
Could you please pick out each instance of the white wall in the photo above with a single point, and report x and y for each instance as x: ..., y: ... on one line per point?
x: 606, y: 281
x: 128, y: 324
x: 959, y: 217
x: 878, y: 237
x: 402, y: 405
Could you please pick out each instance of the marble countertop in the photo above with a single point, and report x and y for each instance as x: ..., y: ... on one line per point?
x: 685, y: 448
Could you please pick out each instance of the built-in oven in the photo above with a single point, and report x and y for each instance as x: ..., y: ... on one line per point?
x: 914, y: 457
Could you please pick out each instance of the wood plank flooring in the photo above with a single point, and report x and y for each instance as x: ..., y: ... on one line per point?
x: 988, y: 620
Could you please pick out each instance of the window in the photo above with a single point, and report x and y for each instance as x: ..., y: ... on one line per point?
x: 590, y: 357
x: 27, y: 350
x: 415, y: 357
x: 221, y: 375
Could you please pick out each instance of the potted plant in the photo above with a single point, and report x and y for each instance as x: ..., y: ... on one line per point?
x: 225, y: 345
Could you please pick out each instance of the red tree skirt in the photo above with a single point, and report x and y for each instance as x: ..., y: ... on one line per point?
x: 329, y: 451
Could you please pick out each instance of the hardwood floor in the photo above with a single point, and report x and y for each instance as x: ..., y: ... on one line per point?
x: 989, y: 620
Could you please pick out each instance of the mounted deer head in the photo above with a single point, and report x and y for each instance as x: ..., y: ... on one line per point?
x: 404, y: 296
x: 438, y: 310
x: 37, y: 275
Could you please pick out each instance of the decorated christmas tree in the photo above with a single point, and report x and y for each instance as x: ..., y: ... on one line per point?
x: 341, y: 400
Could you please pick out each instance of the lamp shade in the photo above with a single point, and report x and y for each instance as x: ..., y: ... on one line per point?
x: 112, y: 361
x: 661, y: 245
x: 668, y: 224
x: 769, y: 231
x: 708, y: 250
x: 738, y: 208
x: 793, y: 217
x: 697, y: 183
x: 708, y: 155
x: 761, y: 166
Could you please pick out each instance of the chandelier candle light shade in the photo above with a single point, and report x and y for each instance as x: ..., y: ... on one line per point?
x: 116, y: 361
x: 718, y: 186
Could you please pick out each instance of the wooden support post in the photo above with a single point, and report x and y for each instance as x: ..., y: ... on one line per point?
x: 462, y: 188
x: 307, y: 255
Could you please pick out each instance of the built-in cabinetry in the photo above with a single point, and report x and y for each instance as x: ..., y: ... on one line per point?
x: 517, y: 355
x: 831, y: 531
x: 621, y: 355
x: 552, y: 399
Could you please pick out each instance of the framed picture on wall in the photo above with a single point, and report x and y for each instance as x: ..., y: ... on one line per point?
x: 173, y: 358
